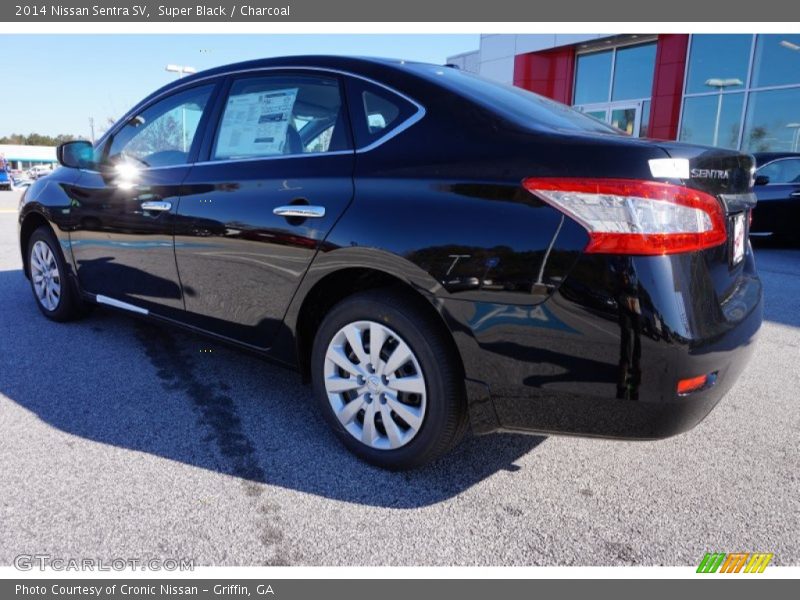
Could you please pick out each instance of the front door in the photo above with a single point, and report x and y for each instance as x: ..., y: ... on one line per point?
x: 277, y: 175
x: 124, y: 215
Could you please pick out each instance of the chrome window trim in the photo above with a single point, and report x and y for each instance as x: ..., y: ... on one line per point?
x: 400, y: 128
x: 774, y: 160
x: 269, y: 157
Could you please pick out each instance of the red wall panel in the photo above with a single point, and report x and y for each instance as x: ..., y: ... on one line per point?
x: 665, y: 109
x: 549, y: 72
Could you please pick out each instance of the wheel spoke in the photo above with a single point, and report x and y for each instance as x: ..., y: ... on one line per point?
x: 350, y: 410
x: 413, y: 384
x: 400, y: 356
x: 377, y: 338
x: 392, y: 429
x: 338, y: 357
x: 409, y: 414
x: 369, y: 433
x: 37, y: 250
x: 353, y: 335
x: 338, y: 384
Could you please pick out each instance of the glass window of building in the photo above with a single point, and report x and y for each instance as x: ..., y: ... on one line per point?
x: 593, y: 77
x: 644, y: 126
x: 615, y: 86
x: 776, y: 61
x: 633, y: 72
x: 743, y: 91
x: 712, y: 120
x: 773, y: 120
x: 718, y: 58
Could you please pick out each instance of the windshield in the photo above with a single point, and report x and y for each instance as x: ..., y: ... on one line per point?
x: 518, y: 105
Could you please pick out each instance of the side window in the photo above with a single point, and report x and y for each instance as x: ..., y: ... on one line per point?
x: 376, y: 111
x: 782, y: 171
x: 381, y: 112
x: 162, y: 134
x: 279, y: 115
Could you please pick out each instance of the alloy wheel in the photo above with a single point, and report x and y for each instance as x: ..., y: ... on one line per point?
x: 375, y: 385
x: 45, y: 276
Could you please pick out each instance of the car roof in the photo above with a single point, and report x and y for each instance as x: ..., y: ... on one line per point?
x: 358, y: 65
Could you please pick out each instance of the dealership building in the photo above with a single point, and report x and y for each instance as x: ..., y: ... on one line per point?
x: 732, y: 91
x: 24, y: 157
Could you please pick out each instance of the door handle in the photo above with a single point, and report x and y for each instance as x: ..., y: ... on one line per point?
x: 304, y: 211
x: 157, y: 205
x: 795, y: 194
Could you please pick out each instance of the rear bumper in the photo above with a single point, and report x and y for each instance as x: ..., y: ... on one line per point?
x: 650, y: 416
x: 600, y: 359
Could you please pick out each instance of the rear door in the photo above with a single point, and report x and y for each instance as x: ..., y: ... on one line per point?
x: 125, y: 214
x: 276, y: 175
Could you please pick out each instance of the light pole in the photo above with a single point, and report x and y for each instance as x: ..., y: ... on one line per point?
x: 181, y: 70
x: 720, y: 84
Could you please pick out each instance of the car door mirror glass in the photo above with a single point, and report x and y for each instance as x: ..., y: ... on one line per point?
x: 77, y: 154
x: 761, y: 180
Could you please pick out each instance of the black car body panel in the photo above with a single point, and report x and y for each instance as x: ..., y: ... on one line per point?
x: 778, y: 211
x: 551, y: 339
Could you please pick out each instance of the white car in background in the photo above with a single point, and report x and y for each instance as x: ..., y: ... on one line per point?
x: 39, y: 171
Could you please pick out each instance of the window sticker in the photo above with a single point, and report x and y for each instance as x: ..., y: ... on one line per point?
x: 256, y: 124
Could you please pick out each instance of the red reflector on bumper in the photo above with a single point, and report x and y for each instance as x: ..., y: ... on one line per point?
x: 692, y: 384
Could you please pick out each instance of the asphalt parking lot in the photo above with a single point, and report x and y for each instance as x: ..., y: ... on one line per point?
x: 122, y: 439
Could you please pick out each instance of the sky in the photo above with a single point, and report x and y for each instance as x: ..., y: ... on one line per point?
x: 53, y: 84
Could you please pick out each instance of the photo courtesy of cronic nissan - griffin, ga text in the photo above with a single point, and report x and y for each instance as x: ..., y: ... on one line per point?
x: 432, y: 251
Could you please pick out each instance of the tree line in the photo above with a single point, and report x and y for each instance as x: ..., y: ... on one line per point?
x: 36, y: 139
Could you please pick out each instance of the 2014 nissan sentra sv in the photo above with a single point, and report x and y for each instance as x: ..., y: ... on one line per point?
x: 432, y: 250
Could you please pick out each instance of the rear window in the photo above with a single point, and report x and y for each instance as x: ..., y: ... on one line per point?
x: 517, y: 105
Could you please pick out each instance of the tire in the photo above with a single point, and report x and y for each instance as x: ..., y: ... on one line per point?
x: 44, y: 250
x: 428, y: 415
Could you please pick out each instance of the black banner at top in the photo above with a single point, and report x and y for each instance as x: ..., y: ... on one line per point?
x: 407, y: 10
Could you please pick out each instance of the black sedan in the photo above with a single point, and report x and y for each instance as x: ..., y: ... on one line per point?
x: 432, y: 251
x: 778, y: 189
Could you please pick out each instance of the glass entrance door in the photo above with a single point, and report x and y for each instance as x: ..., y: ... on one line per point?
x: 626, y: 116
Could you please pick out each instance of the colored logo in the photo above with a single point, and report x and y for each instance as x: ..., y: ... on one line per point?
x: 736, y: 562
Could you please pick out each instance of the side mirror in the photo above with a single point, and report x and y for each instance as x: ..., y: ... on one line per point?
x: 761, y: 180
x: 78, y: 154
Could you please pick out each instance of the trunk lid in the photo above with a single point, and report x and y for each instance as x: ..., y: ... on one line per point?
x: 726, y: 174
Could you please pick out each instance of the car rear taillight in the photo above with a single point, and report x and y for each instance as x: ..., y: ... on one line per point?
x: 631, y: 216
